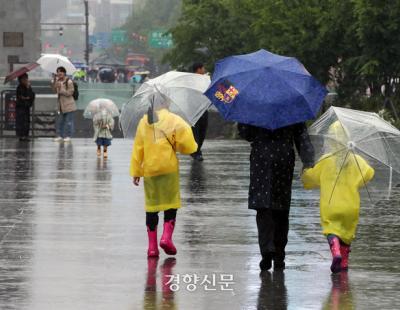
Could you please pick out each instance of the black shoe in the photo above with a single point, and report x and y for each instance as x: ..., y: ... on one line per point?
x: 199, y: 157
x: 266, y: 264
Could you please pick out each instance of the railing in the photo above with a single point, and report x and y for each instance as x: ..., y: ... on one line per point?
x: 42, y: 123
x: 43, y: 113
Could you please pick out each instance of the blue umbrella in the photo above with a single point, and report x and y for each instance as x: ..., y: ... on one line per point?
x: 265, y: 90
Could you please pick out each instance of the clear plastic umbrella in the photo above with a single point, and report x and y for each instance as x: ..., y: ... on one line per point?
x: 346, y: 134
x: 179, y: 92
x: 99, y: 105
x: 50, y: 63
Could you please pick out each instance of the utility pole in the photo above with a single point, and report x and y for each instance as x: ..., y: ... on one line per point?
x: 86, y: 24
x: 87, y: 31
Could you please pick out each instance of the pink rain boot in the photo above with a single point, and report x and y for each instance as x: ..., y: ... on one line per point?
x: 345, y: 251
x: 334, y: 244
x: 153, y: 247
x: 166, y: 238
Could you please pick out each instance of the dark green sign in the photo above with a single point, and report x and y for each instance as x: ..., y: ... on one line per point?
x: 160, y: 39
x: 118, y: 36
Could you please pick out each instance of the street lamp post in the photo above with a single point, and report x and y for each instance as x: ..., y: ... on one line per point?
x: 87, y: 31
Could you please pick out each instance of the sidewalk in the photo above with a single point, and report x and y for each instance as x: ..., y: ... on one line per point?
x: 72, y: 236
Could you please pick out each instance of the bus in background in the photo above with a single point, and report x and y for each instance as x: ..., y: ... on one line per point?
x: 134, y: 62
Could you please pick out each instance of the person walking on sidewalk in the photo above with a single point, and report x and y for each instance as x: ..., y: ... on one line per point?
x: 103, y: 124
x: 160, y: 134
x: 200, y: 128
x: 25, y: 99
x: 64, y: 87
x: 272, y: 160
x: 339, y: 176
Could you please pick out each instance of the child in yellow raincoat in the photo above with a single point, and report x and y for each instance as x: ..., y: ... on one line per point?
x: 339, y: 175
x: 160, y: 134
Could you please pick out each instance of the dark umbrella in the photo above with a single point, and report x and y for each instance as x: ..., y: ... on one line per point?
x: 265, y: 90
x: 13, y: 75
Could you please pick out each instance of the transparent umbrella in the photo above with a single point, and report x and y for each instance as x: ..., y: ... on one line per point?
x: 101, y: 104
x: 50, y: 63
x: 351, y: 135
x: 179, y: 92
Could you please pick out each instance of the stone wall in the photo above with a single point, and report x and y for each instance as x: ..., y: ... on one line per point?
x: 19, y: 31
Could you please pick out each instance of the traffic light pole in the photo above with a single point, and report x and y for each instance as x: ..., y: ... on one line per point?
x: 87, y: 32
x: 86, y: 24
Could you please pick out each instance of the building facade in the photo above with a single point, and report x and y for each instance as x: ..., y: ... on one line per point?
x: 19, y: 32
x: 111, y: 14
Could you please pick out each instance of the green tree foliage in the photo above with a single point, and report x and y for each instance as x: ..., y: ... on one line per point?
x: 352, y: 44
x: 307, y: 30
x: 154, y: 14
x: 211, y: 29
x: 377, y: 27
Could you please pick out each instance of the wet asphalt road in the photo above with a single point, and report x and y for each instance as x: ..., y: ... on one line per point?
x: 72, y: 236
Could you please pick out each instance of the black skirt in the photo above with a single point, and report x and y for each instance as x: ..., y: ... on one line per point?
x: 272, y: 161
x: 271, y: 175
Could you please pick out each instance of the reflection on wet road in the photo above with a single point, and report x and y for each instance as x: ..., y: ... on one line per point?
x: 72, y: 236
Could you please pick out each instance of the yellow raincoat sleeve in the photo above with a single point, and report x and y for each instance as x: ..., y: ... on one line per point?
x: 136, y: 168
x: 184, y: 140
x: 366, y: 170
x: 312, y: 177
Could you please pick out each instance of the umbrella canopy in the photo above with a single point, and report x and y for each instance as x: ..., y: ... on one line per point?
x: 180, y: 92
x: 265, y: 90
x: 50, y: 63
x: 348, y: 135
x: 100, y: 104
x: 15, y: 74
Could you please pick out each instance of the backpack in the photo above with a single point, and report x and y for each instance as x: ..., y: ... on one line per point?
x: 75, y: 95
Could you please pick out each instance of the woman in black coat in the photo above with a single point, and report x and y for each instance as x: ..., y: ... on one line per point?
x: 25, y: 99
x: 272, y: 161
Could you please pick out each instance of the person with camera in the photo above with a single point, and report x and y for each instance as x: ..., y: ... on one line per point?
x: 64, y: 87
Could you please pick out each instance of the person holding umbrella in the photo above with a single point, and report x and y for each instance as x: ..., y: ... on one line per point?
x: 270, y: 96
x: 159, y: 135
x: 64, y: 87
x: 272, y: 163
x: 102, y: 111
x: 340, y: 175
x: 358, y: 151
x: 159, y: 117
x: 25, y: 99
x: 103, y: 124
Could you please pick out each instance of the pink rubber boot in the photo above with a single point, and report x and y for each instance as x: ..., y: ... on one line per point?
x: 345, y: 251
x: 166, y: 238
x: 153, y: 247
x: 334, y: 244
